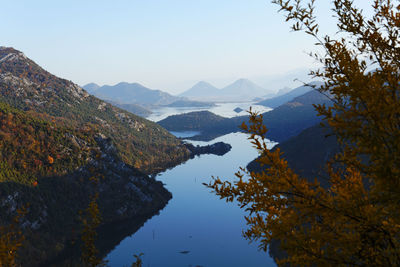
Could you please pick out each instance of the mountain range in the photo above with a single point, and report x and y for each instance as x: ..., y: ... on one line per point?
x: 283, y: 122
x: 287, y: 95
x: 240, y: 90
x: 134, y: 95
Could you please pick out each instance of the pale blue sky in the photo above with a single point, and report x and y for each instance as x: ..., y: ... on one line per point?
x: 163, y: 44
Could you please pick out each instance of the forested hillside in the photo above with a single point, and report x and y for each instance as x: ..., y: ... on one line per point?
x: 48, y: 169
x: 25, y: 85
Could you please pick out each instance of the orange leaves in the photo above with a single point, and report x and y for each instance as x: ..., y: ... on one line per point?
x: 316, y: 225
x: 50, y: 159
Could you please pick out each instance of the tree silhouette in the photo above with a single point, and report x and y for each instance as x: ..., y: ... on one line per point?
x: 356, y: 221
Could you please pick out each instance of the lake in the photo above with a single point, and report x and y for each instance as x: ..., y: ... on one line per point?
x: 222, y: 109
x: 196, y: 228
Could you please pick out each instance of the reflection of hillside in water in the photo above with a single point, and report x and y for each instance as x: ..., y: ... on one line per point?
x: 195, y: 221
x: 109, y: 236
x: 221, y: 109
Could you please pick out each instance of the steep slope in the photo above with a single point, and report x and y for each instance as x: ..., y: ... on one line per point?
x: 307, y: 153
x: 282, y: 99
x: 48, y: 169
x: 291, y: 118
x: 25, y: 85
x: 132, y: 108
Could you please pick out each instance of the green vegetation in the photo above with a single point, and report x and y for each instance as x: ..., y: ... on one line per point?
x: 31, y: 148
x: 140, y: 143
x: 49, y: 167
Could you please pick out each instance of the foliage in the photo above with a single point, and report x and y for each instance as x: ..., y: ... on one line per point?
x: 138, y: 260
x: 355, y: 221
x: 141, y: 143
x: 31, y: 148
x: 91, y: 220
x: 49, y: 166
x: 11, y: 239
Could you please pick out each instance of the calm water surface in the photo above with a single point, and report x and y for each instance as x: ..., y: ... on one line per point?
x: 222, y: 109
x: 196, y: 228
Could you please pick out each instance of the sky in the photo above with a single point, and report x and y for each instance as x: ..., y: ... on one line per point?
x: 163, y: 44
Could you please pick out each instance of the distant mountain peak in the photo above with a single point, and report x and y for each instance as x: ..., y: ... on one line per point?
x: 203, y: 83
x: 200, y: 89
x: 243, y: 88
x: 245, y: 82
x: 91, y: 87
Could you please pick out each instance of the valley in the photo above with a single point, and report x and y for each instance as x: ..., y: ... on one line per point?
x: 56, y: 137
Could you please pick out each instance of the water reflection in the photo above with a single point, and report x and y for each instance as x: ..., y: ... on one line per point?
x: 196, y: 228
x: 222, y: 109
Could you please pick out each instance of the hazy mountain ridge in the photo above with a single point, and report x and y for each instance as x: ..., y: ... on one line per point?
x: 284, y: 122
x: 200, y: 90
x: 134, y: 93
x: 240, y: 90
x: 289, y: 95
x: 91, y: 87
x: 125, y: 93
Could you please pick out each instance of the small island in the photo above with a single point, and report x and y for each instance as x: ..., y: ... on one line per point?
x: 219, y: 148
x: 238, y: 110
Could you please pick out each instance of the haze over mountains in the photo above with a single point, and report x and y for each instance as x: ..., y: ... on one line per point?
x: 139, y: 99
x: 131, y: 93
x: 283, y: 122
x: 240, y: 90
x: 286, y: 95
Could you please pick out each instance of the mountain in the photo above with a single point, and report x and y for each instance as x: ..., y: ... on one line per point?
x: 291, y: 118
x: 132, y: 108
x: 240, y: 90
x: 26, y: 86
x: 283, y: 91
x: 283, y: 122
x: 48, y: 169
x: 281, y: 99
x: 205, y: 121
x: 91, y: 87
x: 200, y: 90
x: 307, y: 152
x: 134, y: 93
x: 127, y: 95
x: 55, y: 140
